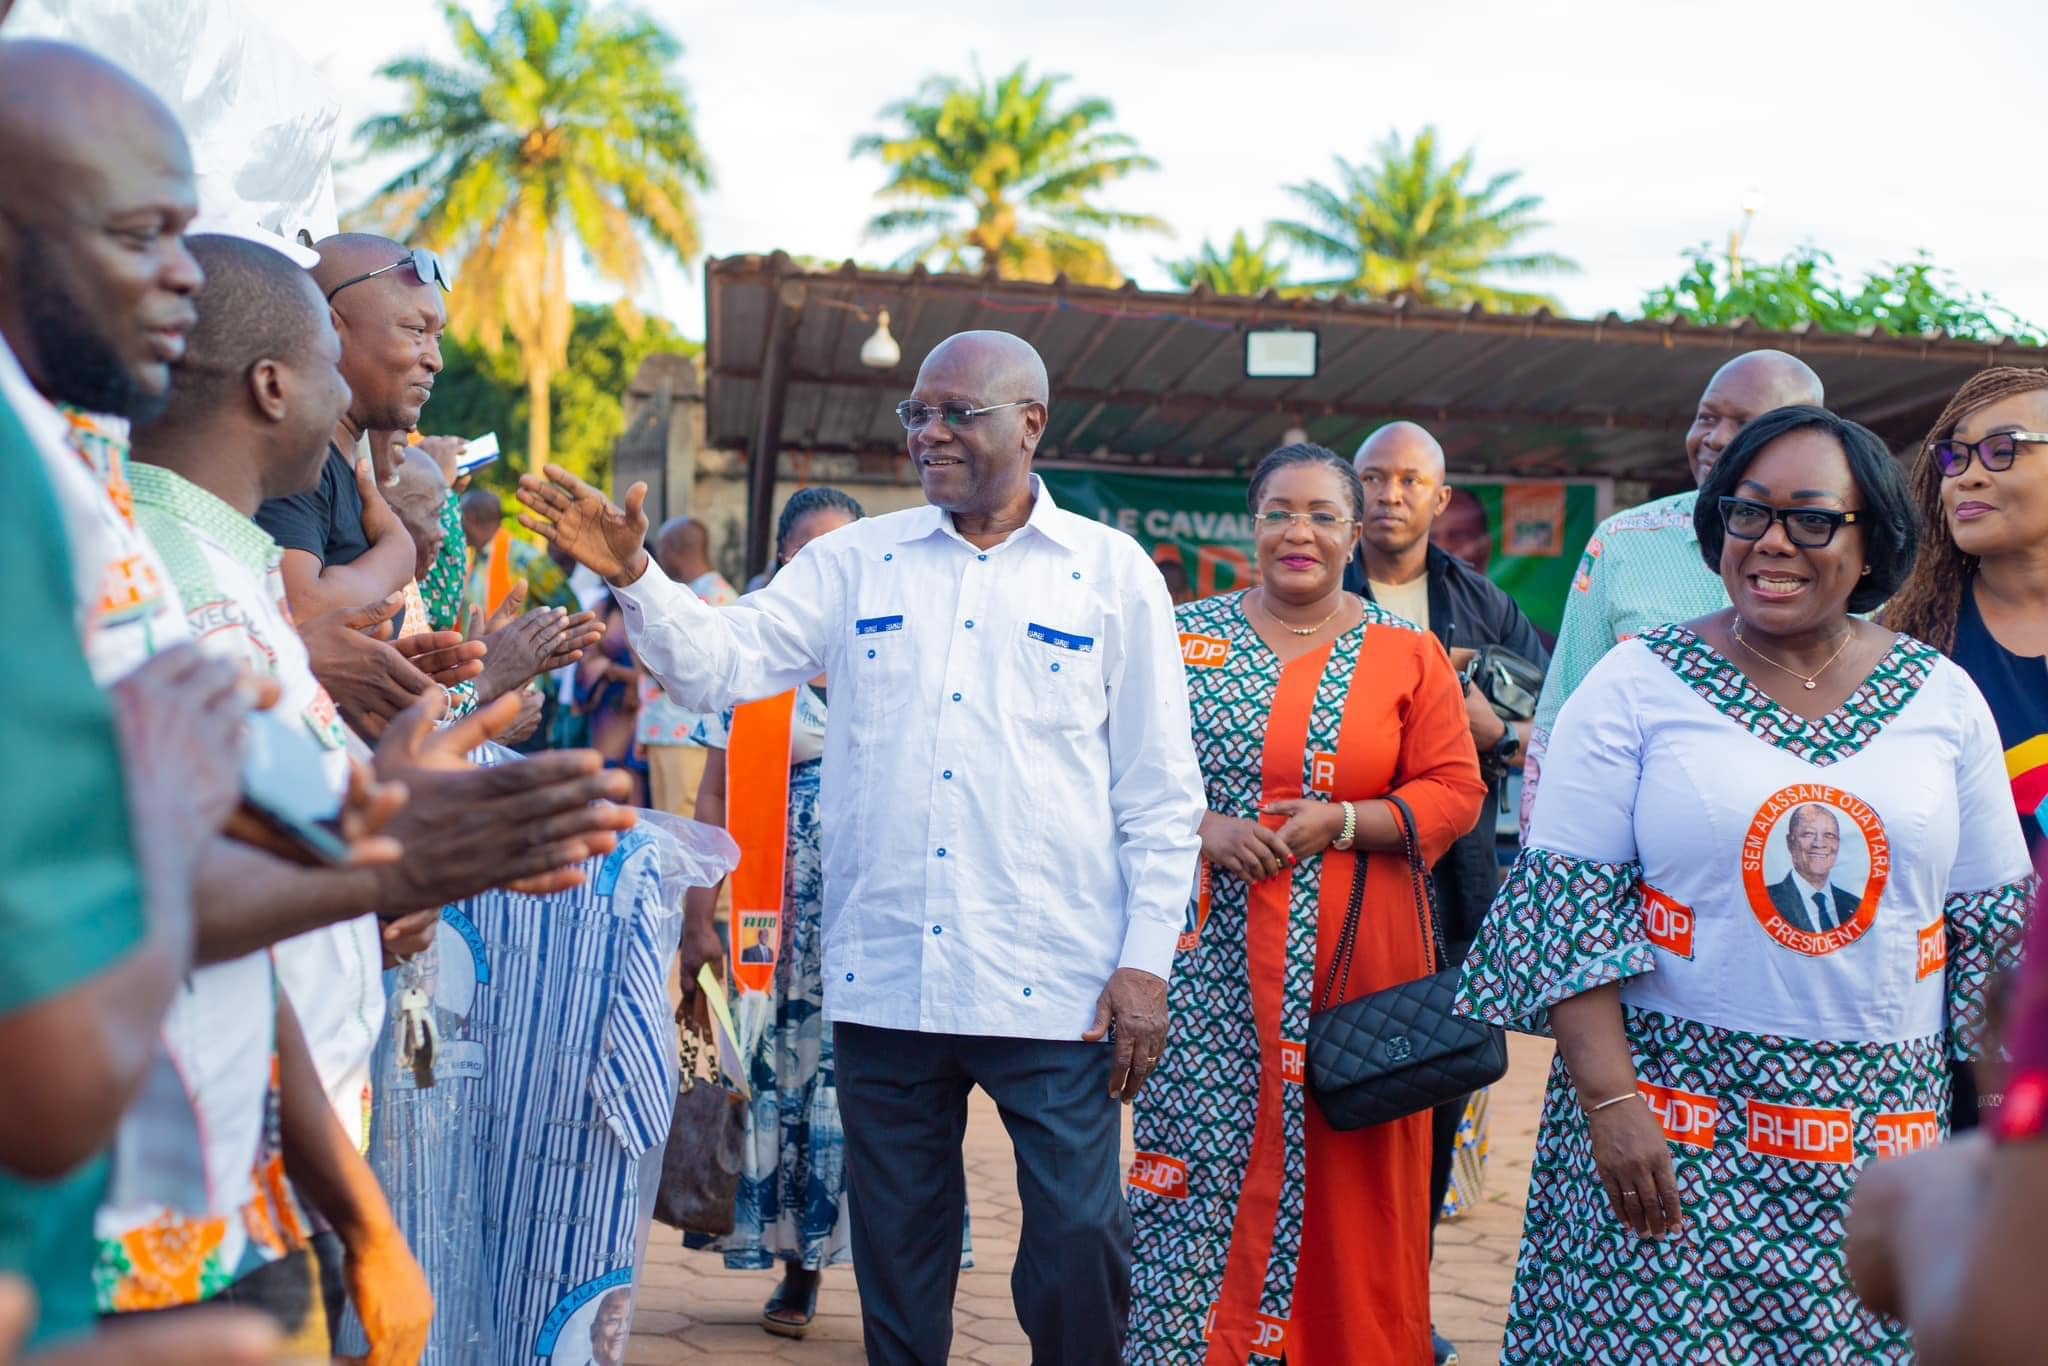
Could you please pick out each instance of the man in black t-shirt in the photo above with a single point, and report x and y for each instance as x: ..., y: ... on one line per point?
x: 326, y: 521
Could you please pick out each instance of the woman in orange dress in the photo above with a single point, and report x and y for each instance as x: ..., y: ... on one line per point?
x: 1260, y: 1232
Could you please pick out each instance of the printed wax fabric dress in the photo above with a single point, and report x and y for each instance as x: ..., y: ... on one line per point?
x: 524, y: 1178
x: 1259, y: 1231
x: 1803, y: 916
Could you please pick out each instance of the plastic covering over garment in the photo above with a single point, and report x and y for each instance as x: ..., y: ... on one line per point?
x: 262, y: 122
x: 524, y: 1178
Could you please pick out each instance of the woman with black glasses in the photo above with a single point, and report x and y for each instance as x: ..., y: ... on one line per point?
x: 1771, y: 868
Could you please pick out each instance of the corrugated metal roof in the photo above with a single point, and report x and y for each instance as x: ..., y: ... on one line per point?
x: 1157, y: 379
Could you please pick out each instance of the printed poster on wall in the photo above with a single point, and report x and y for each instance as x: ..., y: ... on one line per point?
x: 1526, y: 535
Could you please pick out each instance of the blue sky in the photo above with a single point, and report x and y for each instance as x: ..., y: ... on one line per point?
x: 1870, y: 129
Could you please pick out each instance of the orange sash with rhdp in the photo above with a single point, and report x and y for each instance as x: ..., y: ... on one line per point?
x: 757, y: 817
x: 498, y: 577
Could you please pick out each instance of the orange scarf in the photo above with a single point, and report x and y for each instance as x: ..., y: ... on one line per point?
x: 498, y: 577
x: 757, y: 817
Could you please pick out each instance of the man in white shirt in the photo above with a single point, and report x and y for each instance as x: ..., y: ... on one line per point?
x: 1009, y: 819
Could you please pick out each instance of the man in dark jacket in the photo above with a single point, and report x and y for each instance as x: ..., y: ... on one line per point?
x: 1402, y: 467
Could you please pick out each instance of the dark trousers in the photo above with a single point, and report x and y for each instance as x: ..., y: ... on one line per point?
x: 903, y: 1106
x: 1443, y: 1138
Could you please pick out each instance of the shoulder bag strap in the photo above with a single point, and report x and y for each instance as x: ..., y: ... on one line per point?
x: 1425, y: 892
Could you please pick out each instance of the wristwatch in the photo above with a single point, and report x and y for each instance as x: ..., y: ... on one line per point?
x: 1342, y: 844
x: 1505, y: 748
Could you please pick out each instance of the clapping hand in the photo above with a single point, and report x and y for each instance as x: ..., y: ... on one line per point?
x: 605, y: 538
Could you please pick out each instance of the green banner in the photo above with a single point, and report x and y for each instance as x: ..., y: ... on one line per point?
x: 1527, y: 535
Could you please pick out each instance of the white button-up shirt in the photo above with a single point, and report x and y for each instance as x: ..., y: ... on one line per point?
x: 1011, y: 804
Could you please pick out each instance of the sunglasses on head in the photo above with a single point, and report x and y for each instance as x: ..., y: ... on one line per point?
x: 1996, y: 451
x: 424, y: 264
x: 1809, y: 528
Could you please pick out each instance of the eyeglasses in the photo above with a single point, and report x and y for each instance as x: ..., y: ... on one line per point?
x: 1810, y: 528
x: 424, y: 263
x: 1322, y: 523
x: 1996, y: 451
x: 916, y: 415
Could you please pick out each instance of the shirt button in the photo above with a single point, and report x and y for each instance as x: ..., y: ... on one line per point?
x: 1055, y: 668
x: 956, y: 697
x: 849, y: 977
x: 942, y: 853
x: 871, y: 654
x: 970, y: 625
x: 890, y: 555
x: 947, y: 775
x: 938, y: 929
x: 1077, y: 573
x: 981, y: 557
x: 1027, y: 991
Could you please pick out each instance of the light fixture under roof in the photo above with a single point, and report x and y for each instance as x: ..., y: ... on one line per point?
x: 880, y: 351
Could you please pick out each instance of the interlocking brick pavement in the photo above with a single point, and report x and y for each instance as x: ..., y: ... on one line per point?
x: 691, y: 1309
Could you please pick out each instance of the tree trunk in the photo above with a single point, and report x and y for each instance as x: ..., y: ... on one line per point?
x: 539, y: 415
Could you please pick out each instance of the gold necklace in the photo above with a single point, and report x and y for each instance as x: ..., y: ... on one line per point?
x: 1809, y: 680
x: 1301, y: 630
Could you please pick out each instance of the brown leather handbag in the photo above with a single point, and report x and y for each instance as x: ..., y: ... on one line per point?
x: 700, y: 1167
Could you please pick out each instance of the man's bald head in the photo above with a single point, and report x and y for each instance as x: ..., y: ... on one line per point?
x: 683, y: 549
x: 1746, y: 387
x: 980, y: 469
x: 96, y: 286
x: 482, y: 515
x: 1402, y: 468
x: 1402, y: 445
x: 390, y: 328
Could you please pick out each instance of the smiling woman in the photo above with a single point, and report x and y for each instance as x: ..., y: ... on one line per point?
x: 1770, y: 871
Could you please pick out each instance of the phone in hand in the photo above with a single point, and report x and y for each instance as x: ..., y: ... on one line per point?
x: 289, y: 804
x: 478, y: 454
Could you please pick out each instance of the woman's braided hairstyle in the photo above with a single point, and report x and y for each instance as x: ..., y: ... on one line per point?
x: 1931, y: 599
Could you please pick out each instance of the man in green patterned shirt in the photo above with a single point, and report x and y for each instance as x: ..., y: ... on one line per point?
x: 1642, y: 568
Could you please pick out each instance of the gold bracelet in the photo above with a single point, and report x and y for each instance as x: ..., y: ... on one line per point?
x: 1613, y: 1100
x: 1344, y: 841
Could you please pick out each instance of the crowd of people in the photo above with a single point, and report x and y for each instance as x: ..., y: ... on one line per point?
x: 356, y: 843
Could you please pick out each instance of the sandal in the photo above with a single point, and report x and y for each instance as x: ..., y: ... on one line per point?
x: 789, y: 1312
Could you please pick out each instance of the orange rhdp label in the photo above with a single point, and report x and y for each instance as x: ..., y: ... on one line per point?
x: 1907, y: 1131
x: 1322, y: 773
x: 1203, y: 652
x: 1198, y: 915
x: 1668, y: 923
x: 1293, y: 1062
x: 1800, y: 1133
x: 1163, y: 1176
x: 1686, y: 1117
x: 1933, y: 949
x: 1269, y: 1335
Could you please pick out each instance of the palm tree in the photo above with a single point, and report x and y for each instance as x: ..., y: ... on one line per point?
x: 559, y: 123
x: 1406, y: 225
x: 1241, y: 268
x: 998, y: 175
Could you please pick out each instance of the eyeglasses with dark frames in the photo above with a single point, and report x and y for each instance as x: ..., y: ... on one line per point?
x: 1809, y: 528
x: 424, y: 263
x: 916, y: 415
x: 1996, y: 451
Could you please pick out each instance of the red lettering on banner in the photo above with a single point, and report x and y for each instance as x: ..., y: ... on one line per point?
x: 1322, y: 773
x: 1163, y: 1176
x: 1800, y: 1133
x: 1933, y: 949
x: 1203, y: 652
x: 1686, y: 1117
x: 1907, y: 1131
x: 1667, y: 923
x: 1293, y: 1061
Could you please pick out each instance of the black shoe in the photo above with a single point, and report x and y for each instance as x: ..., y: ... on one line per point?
x: 1446, y: 1354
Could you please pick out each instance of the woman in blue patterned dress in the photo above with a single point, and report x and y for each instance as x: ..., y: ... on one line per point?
x: 1772, y: 866
x: 792, y: 1200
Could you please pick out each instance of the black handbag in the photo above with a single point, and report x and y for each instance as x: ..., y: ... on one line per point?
x: 1400, y: 1050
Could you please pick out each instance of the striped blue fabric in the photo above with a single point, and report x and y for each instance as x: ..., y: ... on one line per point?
x: 524, y: 1178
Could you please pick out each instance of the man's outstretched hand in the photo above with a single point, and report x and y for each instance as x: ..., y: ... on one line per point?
x: 605, y: 538
x: 1135, y: 1002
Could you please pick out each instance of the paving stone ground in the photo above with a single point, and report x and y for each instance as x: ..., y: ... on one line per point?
x: 691, y: 1309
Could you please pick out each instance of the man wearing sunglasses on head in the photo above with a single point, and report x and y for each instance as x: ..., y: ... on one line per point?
x: 1642, y: 569
x: 1010, y: 818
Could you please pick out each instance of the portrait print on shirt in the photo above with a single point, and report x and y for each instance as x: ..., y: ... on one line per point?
x: 1814, y: 864
x: 592, y: 1325
x: 759, y: 941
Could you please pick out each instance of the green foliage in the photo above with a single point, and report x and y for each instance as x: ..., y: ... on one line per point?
x: 1912, y: 299
x: 479, y: 392
x: 1405, y: 224
x: 1240, y: 268
x: 999, y: 173
x: 564, y: 122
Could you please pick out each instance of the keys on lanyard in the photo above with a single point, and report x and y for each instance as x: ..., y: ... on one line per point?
x: 418, y: 1036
